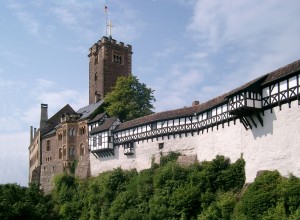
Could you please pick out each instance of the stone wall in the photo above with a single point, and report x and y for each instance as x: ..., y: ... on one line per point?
x: 82, y: 155
x: 103, y: 64
x: 273, y: 146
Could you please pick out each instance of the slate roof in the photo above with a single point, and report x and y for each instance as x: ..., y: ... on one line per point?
x: 56, y: 118
x: 88, y: 110
x: 105, y: 126
x: 97, y: 118
x: 189, y: 111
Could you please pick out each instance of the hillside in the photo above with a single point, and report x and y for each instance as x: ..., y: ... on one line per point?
x: 206, y: 190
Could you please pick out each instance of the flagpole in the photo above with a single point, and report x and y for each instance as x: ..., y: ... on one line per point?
x: 105, y: 8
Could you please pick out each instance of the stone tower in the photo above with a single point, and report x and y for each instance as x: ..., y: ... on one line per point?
x: 109, y: 60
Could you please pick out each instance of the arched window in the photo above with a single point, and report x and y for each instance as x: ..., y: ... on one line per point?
x: 72, y: 151
x: 59, y: 137
x: 96, y: 77
x: 64, y: 151
x: 81, y: 149
x: 82, y: 130
x: 72, y: 132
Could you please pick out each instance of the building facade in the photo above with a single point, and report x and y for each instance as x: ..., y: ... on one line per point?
x: 259, y: 121
x: 60, y: 144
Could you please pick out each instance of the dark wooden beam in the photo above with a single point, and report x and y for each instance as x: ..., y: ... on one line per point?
x: 252, y: 121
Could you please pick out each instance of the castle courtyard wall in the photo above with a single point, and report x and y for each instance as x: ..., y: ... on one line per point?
x: 275, y: 145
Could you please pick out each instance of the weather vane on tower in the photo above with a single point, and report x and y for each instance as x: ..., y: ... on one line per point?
x: 108, y: 24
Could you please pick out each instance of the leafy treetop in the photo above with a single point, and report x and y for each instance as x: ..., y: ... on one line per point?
x: 129, y: 99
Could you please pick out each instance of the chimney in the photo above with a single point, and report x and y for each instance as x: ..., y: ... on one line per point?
x: 31, y: 134
x: 44, y: 117
x: 194, y: 103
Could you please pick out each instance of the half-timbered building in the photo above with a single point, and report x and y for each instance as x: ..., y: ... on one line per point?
x: 259, y: 121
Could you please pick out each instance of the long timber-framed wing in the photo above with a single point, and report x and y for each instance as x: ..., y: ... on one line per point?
x: 194, y: 119
x: 246, y: 103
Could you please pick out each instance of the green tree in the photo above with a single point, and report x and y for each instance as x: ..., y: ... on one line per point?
x: 17, y: 202
x: 129, y: 99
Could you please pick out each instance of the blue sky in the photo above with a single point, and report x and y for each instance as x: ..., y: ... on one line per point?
x: 183, y: 49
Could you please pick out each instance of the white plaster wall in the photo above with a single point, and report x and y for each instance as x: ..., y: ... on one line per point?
x: 276, y: 145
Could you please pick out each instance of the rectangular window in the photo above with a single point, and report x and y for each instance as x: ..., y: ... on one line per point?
x: 154, y: 126
x: 128, y: 148
x: 94, y: 141
x: 209, y: 114
x: 100, y: 139
x: 160, y: 146
x: 48, y: 145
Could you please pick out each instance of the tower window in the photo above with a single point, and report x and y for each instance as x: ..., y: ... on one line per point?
x: 96, y: 76
x: 117, y: 58
x: 96, y: 60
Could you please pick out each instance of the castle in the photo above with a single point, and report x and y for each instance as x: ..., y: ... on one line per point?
x: 259, y: 121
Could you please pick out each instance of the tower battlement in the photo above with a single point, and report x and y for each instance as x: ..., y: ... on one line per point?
x: 109, y: 60
x: 111, y: 42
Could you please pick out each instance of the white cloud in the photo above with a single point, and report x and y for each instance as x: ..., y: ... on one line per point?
x: 128, y: 23
x: 75, y: 15
x: 166, y: 52
x: 14, y: 137
x: 47, y: 92
x: 177, y: 87
x: 27, y: 19
x: 253, y: 25
x: 14, y: 158
x: 243, y: 39
x: 233, y: 42
x: 14, y: 58
x: 9, y: 124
